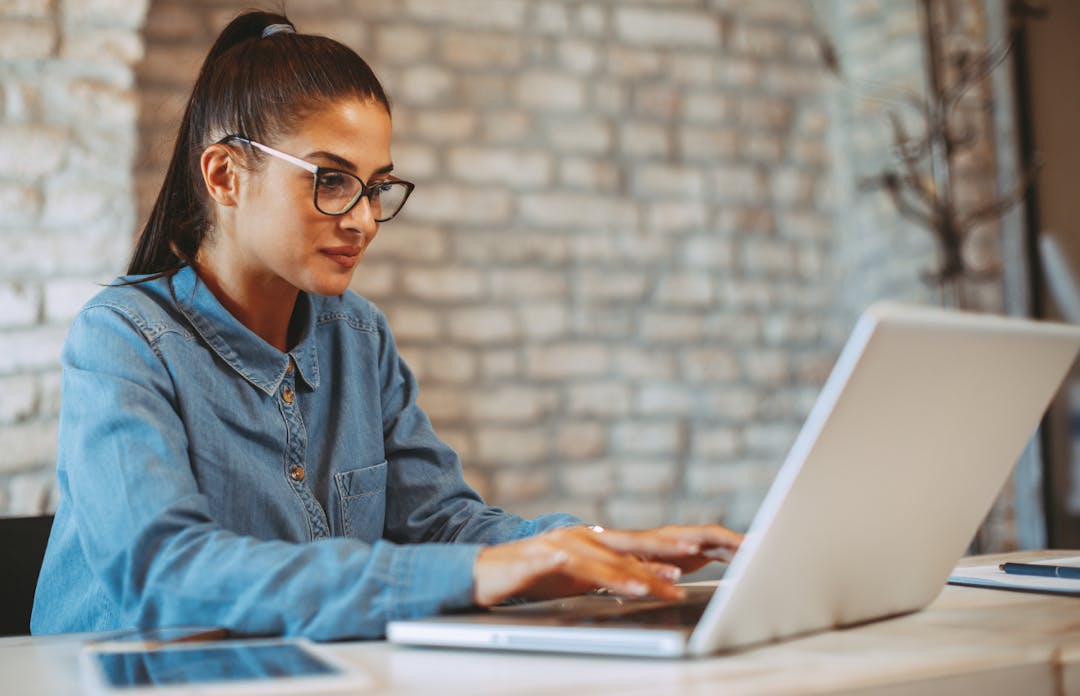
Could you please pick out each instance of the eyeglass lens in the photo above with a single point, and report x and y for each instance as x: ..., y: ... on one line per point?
x: 336, y: 192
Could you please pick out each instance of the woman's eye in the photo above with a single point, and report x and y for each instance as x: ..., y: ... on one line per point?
x: 377, y: 190
x: 332, y: 181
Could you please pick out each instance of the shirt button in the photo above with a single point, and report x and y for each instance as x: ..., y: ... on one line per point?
x: 288, y: 395
x: 296, y: 473
x: 291, y: 366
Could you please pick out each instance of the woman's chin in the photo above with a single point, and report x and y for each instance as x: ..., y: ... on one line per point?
x: 328, y: 286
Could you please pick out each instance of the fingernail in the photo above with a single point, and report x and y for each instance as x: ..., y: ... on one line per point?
x: 637, y: 589
x: 674, y: 574
x: 691, y: 548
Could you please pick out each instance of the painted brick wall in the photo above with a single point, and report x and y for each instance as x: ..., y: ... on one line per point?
x: 68, y: 113
x: 630, y: 259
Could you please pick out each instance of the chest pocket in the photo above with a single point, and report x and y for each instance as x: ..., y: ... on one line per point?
x: 362, y: 494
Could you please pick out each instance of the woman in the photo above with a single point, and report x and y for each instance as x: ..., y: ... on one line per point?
x: 240, y: 444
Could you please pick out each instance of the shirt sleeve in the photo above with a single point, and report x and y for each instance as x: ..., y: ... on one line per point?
x: 148, y: 535
x: 427, y: 496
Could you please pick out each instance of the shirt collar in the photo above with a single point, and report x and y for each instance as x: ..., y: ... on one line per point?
x: 253, y: 358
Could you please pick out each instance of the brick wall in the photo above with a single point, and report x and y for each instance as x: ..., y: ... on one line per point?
x: 608, y: 278
x: 67, y: 117
x: 633, y: 250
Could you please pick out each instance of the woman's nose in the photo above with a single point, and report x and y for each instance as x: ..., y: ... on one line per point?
x: 362, y: 217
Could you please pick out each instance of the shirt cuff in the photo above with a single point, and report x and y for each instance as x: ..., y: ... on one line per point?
x: 435, y: 578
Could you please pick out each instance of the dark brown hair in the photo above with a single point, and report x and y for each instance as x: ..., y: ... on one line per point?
x: 251, y: 85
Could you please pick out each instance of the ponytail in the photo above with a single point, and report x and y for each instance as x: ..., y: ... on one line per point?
x: 259, y: 80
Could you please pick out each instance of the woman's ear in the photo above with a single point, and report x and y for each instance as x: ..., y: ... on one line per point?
x: 219, y: 172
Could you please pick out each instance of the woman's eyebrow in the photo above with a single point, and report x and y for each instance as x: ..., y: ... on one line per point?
x: 336, y: 159
x: 346, y: 164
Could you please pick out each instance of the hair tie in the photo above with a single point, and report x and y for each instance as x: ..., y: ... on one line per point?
x: 278, y: 29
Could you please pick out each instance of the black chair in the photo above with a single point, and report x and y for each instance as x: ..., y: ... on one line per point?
x: 22, y: 548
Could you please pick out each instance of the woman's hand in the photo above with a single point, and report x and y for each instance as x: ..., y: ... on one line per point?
x: 575, y: 560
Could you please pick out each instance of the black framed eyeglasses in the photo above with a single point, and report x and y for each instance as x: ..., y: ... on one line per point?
x: 336, y: 192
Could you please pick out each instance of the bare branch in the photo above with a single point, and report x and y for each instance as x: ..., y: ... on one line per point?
x: 948, y: 130
x: 999, y: 206
x: 971, y: 76
x: 907, y: 208
x: 907, y: 147
x: 910, y: 161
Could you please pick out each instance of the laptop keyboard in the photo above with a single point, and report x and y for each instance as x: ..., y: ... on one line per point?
x: 613, y: 610
x: 681, y: 614
x: 610, y: 610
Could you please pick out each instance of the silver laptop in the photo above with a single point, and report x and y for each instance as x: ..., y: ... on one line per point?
x: 903, y: 454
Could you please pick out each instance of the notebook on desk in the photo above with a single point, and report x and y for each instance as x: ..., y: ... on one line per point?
x: 907, y: 446
x: 995, y: 577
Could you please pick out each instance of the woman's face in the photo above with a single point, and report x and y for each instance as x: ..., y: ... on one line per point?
x: 278, y: 233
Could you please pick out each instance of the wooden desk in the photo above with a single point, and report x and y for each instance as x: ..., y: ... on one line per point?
x: 969, y: 641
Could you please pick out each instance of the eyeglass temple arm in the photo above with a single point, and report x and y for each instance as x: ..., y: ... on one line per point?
x: 279, y: 154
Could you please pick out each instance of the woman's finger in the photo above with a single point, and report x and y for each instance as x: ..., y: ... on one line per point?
x: 667, y: 571
x: 630, y: 576
x: 635, y: 563
x: 592, y: 560
x: 672, y: 541
x: 566, y: 562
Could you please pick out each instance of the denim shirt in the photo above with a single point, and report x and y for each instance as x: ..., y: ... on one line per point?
x: 207, y: 478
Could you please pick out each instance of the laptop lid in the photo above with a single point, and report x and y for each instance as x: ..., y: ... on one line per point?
x: 904, y: 452
x: 912, y: 437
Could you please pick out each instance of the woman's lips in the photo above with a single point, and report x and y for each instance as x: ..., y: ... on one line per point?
x: 346, y: 256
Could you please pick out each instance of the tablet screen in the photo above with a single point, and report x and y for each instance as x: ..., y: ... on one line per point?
x: 219, y: 663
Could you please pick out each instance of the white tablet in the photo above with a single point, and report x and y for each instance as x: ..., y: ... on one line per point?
x: 228, y: 667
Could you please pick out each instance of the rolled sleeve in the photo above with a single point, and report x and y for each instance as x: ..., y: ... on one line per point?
x: 433, y: 578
